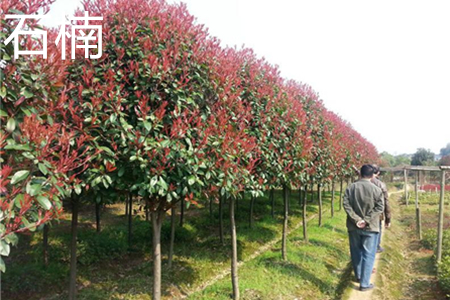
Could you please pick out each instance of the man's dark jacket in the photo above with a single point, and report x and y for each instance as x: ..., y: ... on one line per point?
x: 363, y: 201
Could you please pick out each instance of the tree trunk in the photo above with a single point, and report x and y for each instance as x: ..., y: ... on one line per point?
x: 130, y: 218
x: 289, y: 199
x: 73, y: 251
x: 285, y: 223
x: 221, y: 220
x: 234, y: 266
x: 45, y: 245
x: 340, y: 194
x: 305, y: 229
x: 252, y: 204
x: 319, y: 195
x: 332, y: 199
x: 126, y: 207
x: 237, y: 205
x: 272, y: 196
x: 172, y: 235
x: 157, y: 218
x: 182, y: 204
x: 97, y: 216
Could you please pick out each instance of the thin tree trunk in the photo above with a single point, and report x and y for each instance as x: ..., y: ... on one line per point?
x: 332, y: 199
x: 272, y: 196
x: 221, y: 220
x: 73, y: 251
x: 97, y: 216
x: 182, y: 204
x: 126, y: 206
x: 234, y: 266
x: 237, y: 205
x: 157, y: 219
x: 340, y: 194
x: 289, y: 200
x: 319, y: 195
x: 130, y: 218
x: 172, y: 236
x: 45, y: 245
x: 285, y: 223
x: 252, y: 204
x: 305, y: 229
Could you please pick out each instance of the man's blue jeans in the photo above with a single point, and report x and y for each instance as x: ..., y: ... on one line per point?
x: 363, y: 248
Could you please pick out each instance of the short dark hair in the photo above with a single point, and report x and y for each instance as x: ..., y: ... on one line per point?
x: 367, y: 171
x: 376, y: 169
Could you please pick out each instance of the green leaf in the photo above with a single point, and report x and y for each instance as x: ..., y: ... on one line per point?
x: 78, y: 189
x: 44, y: 202
x: 3, y: 92
x: 153, y: 181
x: 17, y: 147
x: 191, y: 180
x: 43, y: 168
x: 19, y: 176
x: 163, y: 183
x: 121, y: 172
x: 4, y: 248
x: 27, y: 94
x: 12, y: 238
x: 28, y: 155
x: 2, y: 265
x: 34, y: 189
x: 106, y: 149
x: 11, y: 125
x: 3, y: 113
x: 147, y: 125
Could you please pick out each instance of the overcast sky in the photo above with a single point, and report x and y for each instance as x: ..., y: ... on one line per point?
x: 384, y: 66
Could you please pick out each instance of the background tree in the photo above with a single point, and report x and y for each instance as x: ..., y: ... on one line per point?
x: 446, y: 150
x: 423, y: 157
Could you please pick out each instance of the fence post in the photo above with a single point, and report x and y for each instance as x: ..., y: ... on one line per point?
x: 441, y: 218
x: 418, y: 217
x: 406, y: 186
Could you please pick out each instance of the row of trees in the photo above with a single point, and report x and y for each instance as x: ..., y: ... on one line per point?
x: 166, y: 115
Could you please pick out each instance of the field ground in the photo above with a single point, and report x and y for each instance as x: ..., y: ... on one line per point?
x: 407, y: 270
x: 320, y: 269
x: 107, y: 270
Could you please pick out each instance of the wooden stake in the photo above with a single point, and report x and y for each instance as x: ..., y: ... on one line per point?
x: 441, y: 219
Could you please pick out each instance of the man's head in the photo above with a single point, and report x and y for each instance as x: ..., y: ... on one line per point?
x: 367, y: 171
x: 376, y: 170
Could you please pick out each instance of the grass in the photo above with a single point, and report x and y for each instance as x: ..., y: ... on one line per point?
x: 313, y: 270
x: 108, y: 270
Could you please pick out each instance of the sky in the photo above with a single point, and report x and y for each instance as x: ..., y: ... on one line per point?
x: 384, y: 66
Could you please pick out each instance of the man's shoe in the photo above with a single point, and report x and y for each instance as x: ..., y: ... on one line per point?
x: 356, y: 280
x: 380, y: 249
x: 367, y: 288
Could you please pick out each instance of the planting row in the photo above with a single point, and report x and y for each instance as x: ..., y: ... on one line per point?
x: 165, y: 115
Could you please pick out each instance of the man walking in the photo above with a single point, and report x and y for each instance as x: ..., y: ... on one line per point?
x: 363, y: 203
x: 386, y: 215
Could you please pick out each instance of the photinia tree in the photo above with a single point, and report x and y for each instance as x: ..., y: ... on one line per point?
x: 40, y: 156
